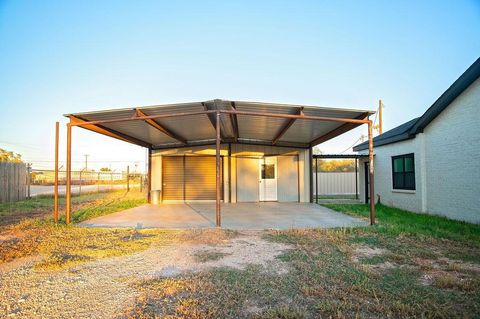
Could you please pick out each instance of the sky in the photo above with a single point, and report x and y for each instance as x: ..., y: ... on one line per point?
x: 59, y: 57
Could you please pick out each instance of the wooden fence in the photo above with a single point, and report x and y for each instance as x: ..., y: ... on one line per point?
x: 13, y: 182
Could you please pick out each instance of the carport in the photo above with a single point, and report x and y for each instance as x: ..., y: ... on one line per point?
x: 224, y: 124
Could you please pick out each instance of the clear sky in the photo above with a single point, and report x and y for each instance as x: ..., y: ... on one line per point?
x: 58, y: 57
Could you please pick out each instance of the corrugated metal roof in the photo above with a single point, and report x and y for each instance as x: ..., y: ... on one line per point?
x: 200, y: 128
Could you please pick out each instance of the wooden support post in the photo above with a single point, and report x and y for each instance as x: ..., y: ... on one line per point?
x: 55, y: 187
x: 68, y: 199
x: 371, y: 173
x: 217, y: 166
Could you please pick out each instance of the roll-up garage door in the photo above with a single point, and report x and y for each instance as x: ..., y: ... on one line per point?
x: 190, y: 178
x: 173, y: 175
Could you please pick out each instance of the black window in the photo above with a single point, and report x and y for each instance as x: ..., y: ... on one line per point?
x: 403, y: 171
x: 268, y: 171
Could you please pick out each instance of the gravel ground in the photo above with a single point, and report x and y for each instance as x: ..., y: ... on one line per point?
x: 101, y: 289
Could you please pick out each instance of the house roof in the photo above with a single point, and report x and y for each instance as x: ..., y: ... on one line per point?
x: 411, y: 128
x: 190, y: 124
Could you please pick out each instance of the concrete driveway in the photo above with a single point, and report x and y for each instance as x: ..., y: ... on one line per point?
x: 252, y: 216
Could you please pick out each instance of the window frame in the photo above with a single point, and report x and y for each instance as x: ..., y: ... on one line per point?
x: 404, y: 173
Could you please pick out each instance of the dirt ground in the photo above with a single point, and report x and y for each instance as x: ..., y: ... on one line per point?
x: 103, y: 288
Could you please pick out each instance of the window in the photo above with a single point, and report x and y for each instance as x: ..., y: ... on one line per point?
x: 268, y: 171
x: 403, y: 172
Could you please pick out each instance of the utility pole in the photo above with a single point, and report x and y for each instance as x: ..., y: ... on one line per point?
x: 86, y: 160
x: 380, y: 116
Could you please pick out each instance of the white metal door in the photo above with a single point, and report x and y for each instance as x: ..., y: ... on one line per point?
x: 268, y: 179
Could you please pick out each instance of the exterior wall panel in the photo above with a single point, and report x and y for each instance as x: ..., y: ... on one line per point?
x: 247, y: 179
x: 288, y: 185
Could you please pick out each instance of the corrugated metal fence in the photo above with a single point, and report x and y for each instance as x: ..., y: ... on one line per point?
x: 13, y: 182
x: 334, y: 183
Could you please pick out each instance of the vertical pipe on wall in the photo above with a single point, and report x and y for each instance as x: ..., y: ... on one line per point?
x: 371, y: 172
x: 55, y: 187
x: 217, y: 172
x: 68, y: 190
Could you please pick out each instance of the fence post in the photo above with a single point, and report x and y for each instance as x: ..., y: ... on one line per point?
x: 80, y: 184
x: 29, y: 169
x: 128, y: 178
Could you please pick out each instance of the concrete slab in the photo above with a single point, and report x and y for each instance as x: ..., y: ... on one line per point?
x: 253, y: 216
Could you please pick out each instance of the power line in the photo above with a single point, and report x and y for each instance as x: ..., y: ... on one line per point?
x: 354, y: 143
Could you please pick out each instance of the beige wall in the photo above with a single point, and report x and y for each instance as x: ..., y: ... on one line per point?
x: 246, y: 151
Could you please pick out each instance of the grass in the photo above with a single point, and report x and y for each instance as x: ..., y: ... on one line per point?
x: 28, y: 230
x: 84, y: 206
x: 394, y: 222
x: 427, y: 267
x: 109, y: 204
x: 412, y: 275
x: 323, y: 282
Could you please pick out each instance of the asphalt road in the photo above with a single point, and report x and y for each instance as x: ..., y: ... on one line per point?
x: 45, y: 190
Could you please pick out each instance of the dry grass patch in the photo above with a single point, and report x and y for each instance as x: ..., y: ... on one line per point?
x: 212, y: 236
x: 30, y: 230
x: 209, y: 255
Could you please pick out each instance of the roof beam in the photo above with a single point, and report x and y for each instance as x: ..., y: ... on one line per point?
x: 213, y: 119
x: 339, y: 130
x: 97, y: 128
x: 300, y: 117
x: 159, y: 127
x: 284, y: 129
x: 233, y: 119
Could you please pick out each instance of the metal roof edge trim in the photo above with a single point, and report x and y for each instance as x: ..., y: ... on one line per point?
x: 132, y: 108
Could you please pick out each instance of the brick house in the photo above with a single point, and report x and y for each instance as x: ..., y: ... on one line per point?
x: 430, y: 164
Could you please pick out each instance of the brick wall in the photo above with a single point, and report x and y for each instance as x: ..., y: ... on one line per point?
x: 447, y: 163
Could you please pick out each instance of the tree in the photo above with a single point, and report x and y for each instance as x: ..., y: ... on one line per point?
x: 337, y: 165
x: 7, y: 156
